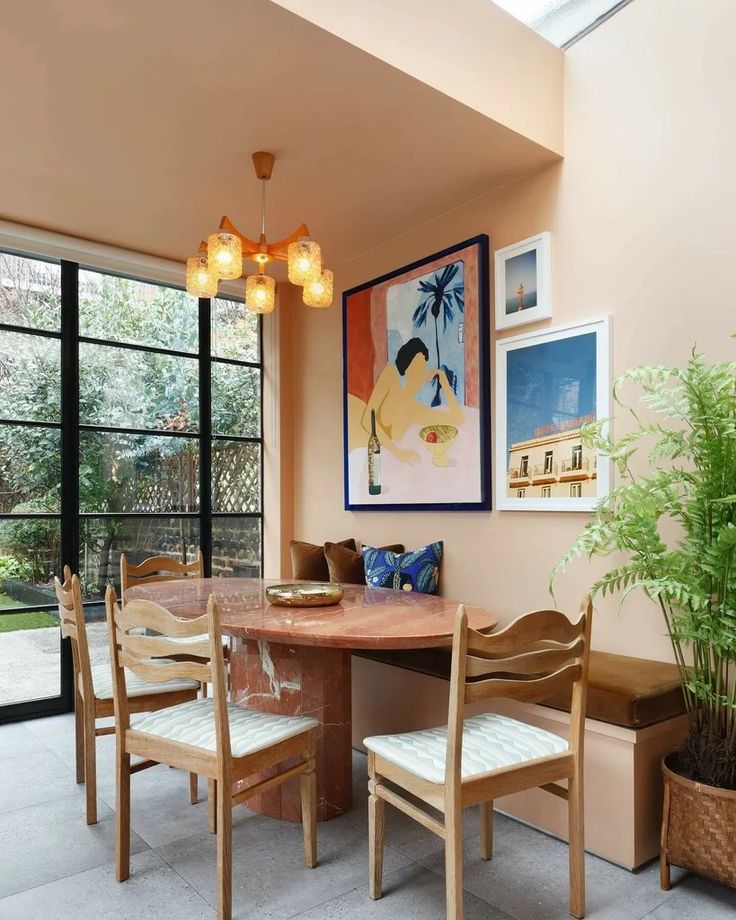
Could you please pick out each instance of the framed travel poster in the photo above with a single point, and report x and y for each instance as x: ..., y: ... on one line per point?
x: 523, y: 282
x: 548, y: 385
x: 415, y: 395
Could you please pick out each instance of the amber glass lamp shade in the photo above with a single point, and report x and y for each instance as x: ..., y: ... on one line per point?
x: 304, y: 261
x: 201, y: 282
x: 260, y: 293
x: 225, y: 254
x: 319, y: 293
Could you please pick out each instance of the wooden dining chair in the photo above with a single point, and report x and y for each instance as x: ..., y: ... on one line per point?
x: 473, y: 761
x: 93, y: 692
x: 164, y: 568
x: 225, y: 742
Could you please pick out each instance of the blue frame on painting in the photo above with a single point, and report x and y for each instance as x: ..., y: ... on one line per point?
x: 416, y: 385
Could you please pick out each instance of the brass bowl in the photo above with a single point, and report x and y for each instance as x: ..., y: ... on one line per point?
x: 445, y: 435
x: 304, y: 595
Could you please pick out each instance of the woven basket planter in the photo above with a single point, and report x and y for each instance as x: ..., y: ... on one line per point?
x: 698, y: 824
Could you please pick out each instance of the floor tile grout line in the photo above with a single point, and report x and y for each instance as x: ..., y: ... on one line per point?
x: 46, y: 802
x: 185, y: 880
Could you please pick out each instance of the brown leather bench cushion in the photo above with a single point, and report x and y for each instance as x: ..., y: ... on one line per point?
x: 630, y: 692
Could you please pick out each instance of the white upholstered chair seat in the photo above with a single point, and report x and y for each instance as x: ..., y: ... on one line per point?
x: 194, y: 723
x: 136, y: 686
x: 490, y: 741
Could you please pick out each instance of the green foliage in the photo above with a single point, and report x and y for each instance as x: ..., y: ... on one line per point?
x: 118, y: 388
x: 676, y: 527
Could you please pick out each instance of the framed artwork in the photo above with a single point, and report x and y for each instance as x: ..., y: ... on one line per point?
x: 523, y: 282
x: 549, y: 384
x: 415, y: 393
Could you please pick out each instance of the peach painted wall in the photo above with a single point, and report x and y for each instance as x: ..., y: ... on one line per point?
x: 642, y: 219
x: 472, y: 51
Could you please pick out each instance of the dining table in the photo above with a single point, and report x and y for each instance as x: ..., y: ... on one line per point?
x: 297, y: 660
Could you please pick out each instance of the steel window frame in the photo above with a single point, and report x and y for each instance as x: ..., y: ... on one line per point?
x: 70, y: 514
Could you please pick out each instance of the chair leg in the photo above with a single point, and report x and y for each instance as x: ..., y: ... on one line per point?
x: 212, y: 805
x: 308, y: 790
x: 486, y: 830
x: 122, y: 813
x: 376, y: 810
x: 90, y: 763
x: 454, y: 863
x: 224, y: 850
x: 193, y: 789
x: 577, y: 843
x: 79, y: 733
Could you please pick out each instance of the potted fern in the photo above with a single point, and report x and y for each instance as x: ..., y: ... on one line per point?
x: 673, y: 518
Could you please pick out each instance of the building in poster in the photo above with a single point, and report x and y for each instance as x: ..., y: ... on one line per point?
x: 554, y: 464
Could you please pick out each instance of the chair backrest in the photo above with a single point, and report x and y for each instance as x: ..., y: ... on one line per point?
x: 157, y: 568
x: 71, y: 621
x: 132, y: 646
x: 533, y: 657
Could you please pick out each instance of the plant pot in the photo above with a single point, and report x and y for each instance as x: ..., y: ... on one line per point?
x: 698, y: 824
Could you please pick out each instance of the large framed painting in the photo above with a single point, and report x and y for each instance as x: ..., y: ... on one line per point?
x: 524, y: 282
x: 548, y: 385
x: 415, y: 359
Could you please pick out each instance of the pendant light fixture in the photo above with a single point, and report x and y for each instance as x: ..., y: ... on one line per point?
x: 222, y: 256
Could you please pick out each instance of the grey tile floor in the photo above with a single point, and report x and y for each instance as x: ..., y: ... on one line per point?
x: 54, y: 867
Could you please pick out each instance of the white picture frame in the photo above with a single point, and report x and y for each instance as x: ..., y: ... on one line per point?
x: 549, y: 383
x: 523, y: 271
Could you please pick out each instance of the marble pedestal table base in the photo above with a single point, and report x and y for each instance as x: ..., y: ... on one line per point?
x: 300, y: 680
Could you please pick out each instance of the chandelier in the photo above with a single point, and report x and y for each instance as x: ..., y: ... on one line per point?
x: 221, y: 257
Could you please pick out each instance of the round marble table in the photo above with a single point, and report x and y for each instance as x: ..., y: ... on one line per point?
x: 296, y: 660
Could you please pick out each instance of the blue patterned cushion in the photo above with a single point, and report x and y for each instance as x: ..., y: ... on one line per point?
x: 418, y: 570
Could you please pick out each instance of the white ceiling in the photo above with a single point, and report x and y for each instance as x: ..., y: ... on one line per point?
x: 133, y: 124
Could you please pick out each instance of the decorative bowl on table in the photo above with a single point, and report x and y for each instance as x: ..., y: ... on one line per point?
x: 437, y: 439
x: 304, y: 595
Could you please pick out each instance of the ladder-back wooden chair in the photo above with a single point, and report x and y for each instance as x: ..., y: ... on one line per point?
x: 225, y: 742
x: 473, y: 761
x: 164, y: 568
x: 93, y: 692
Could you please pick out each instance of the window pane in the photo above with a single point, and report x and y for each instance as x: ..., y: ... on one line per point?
x: 120, y: 472
x: 236, y: 400
x: 236, y: 476
x: 235, y: 331
x: 126, y: 310
x: 30, y: 377
x: 137, y: 389
x: 236, y: 547
x: 29, y: 640
x: 29, y: 558
x: 30, y: 469
x: 102, y: 540
x: 30, y: 292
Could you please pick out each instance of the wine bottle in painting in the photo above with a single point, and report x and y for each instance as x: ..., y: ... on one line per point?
x: 374, y: 459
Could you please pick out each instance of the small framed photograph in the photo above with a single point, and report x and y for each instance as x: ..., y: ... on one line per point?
x: 523, y: 282
x: 548, y: 385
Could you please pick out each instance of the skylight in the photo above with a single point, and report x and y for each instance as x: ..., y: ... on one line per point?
x: 562, y: 21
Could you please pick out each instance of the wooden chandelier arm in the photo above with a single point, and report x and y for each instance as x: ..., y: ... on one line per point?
x: 277, y: 250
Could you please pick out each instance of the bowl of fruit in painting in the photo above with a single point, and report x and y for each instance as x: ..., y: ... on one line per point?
x: 437, y: 439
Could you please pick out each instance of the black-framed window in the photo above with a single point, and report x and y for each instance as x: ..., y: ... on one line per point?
x: 130, y: 421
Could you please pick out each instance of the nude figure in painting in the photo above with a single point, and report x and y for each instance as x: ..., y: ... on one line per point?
x: 397, y: 408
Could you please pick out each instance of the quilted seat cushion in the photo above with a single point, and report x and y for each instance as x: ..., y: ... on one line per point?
x: 490, y: 742
x: 136, y: 686
x: 194, y: 723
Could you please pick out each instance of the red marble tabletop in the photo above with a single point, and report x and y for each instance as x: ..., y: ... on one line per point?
x: 366, y: 618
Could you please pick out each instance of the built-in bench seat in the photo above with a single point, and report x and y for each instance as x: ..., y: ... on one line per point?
x: 635, y: 715
x: 630, y: 692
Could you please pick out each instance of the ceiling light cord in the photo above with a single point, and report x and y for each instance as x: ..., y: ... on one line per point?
x: 263, y: 207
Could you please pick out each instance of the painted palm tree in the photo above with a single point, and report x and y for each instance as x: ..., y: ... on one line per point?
x: 439, y: 296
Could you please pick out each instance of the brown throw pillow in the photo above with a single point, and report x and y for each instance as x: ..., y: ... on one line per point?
x: 308, y: 561
x: 345, y: 565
